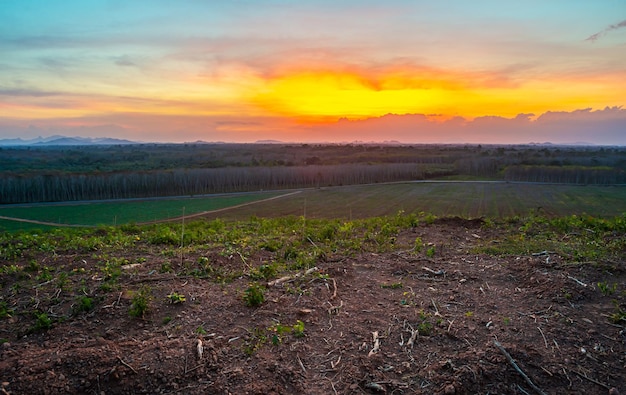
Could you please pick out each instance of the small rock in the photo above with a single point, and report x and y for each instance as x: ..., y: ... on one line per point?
x: 449, y: 390
x: 613, y: 391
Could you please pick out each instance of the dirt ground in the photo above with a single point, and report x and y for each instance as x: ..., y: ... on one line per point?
x: 392, y: 323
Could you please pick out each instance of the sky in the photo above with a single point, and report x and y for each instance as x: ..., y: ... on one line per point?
x: 482, y: 71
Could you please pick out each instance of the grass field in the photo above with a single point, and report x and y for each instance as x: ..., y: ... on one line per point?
x: 114, y: 213
x: 473, y: 199
x: 466, y: 199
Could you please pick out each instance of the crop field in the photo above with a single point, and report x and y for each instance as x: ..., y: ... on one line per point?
x: 116, y: 213
x: 465, y: 199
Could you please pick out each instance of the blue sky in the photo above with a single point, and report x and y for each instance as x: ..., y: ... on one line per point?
x: 292, y: 69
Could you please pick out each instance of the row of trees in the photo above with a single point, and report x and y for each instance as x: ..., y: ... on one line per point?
x: 566, y: 174
x: 122, y: 185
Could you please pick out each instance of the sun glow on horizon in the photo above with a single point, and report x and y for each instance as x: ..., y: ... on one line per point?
x: 319, y: 96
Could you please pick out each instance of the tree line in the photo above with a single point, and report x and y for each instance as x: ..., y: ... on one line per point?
x: 566, y: 174
x: 183, y: 182
x: 45, y: 174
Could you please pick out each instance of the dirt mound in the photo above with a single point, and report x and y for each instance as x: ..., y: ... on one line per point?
x: 389, y: 323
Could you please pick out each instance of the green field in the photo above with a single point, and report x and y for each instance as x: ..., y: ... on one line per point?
x: 466, y: 199
x: 115, y: 213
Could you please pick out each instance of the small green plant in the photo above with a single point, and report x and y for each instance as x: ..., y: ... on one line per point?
x: 567, y: 295
x: 620, y: 314
x: 140, y: 302
x: 43, y: 322
x: 33, y: 266
x: 506, y: 320
x: 424, y: 328
x: 10, y: 269
x: 431, y: 252
x: 298, y: 329
x: 254, y: 295
x: 84, y: 304
x: 166, y: 267
x: 166, y: 320
x: 200, y: 330
x: 176, y: 298
x: 391, y: 286
x: 469, y: 314
x: 4, y: 310
x: 606, y: 289
x: 408, y: 298
x: 44, y: 275
x: 256, y: 340
x: 265, y: 272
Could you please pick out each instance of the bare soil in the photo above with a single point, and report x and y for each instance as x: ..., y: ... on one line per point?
x: 392, y: 323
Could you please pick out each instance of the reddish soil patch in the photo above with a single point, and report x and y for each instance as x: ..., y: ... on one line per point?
x: 392, y: 323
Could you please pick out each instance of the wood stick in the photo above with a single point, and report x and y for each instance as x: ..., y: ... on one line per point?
x: 127, y: 365
x: 512, y: 362
x: 301, y: 364
x: 544, y: 338
x: 592, y: 380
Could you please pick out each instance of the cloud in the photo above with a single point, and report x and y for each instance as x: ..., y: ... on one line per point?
x: 27, y: 93
x: 599, y: 34
x: 124, y: 61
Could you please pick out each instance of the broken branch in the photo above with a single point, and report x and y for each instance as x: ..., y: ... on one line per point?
x: 376, y: 341
x: 127, y: 365
x: 512, y: 362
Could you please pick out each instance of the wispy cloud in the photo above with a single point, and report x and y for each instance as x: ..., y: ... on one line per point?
x: 599, y: 34
x: 27, y: 93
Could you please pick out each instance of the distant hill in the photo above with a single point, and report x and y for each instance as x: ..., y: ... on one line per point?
x: 65, y: 141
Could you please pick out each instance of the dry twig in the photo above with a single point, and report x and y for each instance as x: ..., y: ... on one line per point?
x: 127, y: 365
x: 520, y: 371
x: 334, y: 295
x: 376, y: 341
x: 591, y: 380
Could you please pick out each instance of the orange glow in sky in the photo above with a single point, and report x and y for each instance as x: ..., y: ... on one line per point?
x: 296, y: 71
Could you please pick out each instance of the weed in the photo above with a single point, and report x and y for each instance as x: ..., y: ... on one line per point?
x: 200, y: 330
x: 256, y: 340
x: 391, y: 286
x: 42, y: 322
x: 606, y: 289
x: 166, y: 267
x: 620, y: 314
x: 298, y: 329
x: 44, y: 275
x: 4, y: 310
x: 418, y: 245
x: 140, y: 302
x: 33, y: 266
x: 279, y: 331
x: 408, y: 298
x: 10, y: 269
x: 84, y: 304
x: 425, y: 328
x: 469, y: 314
x: 265, y: 272
x: 254, y: 295
x: 430, y: 252
x: 175, y: 298
x: 166, y: 320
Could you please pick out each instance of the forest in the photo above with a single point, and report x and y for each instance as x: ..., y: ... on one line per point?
x: 61, y: 173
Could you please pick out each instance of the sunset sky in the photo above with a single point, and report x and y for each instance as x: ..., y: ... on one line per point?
x: 315, y: 71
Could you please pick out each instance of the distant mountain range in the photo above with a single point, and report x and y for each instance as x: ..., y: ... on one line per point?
x: 59, y: 140
x: 64, y: 140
